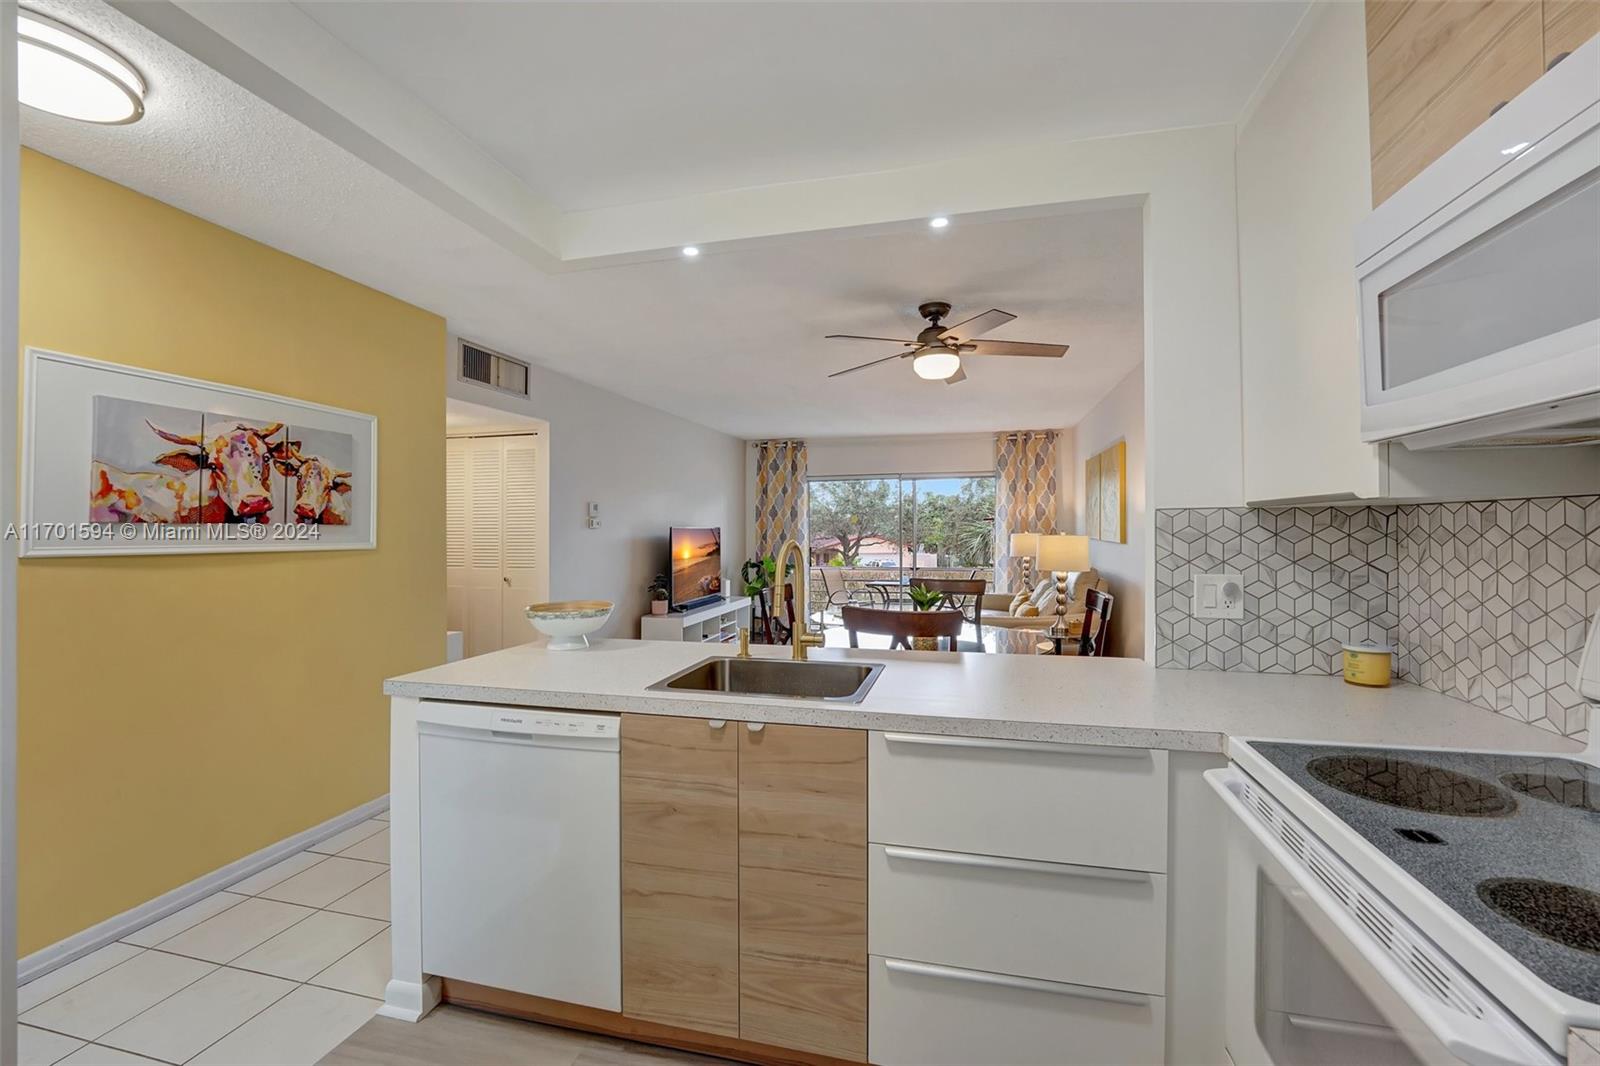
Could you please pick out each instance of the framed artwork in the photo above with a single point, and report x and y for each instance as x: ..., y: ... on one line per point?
x: 1113, y: 493
x: 118, y: 460
x: 1091, y: 496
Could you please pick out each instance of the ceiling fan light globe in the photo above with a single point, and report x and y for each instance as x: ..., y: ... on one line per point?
x: 936, y: 365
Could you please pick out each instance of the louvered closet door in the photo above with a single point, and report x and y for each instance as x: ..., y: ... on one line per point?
x: 455, y: 533
x: 521, y: 507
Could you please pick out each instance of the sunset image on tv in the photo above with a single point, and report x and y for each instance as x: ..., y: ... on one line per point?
x: 696, y: 564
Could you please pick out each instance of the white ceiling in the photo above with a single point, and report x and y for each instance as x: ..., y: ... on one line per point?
x: 597, y: 104
x: 732, y: 340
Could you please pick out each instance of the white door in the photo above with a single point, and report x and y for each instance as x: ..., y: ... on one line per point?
x: 494, y: 503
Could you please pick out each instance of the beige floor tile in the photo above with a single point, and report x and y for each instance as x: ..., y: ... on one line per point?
x: 178, y: 921
x: 226, y: 936
x: 279, y: 871
x: 95, y: 1055
x: 104, y: 1002
x: 306, y: 948
x: 36, y: 1047
x: 75, y: 972
x: 325, y: 882
x: 456, y: 1035
x: 354, y: 835
x: 365, y: 971
x: 180, y: 1027
x: 301, y: 1027
x: 374, y: 849
x: 371, y: 900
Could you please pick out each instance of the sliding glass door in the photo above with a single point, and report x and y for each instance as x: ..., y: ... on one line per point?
x: 884, y: 531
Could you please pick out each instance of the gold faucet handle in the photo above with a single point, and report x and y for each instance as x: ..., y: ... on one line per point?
x: 814, y: 640
x: 744, y: 642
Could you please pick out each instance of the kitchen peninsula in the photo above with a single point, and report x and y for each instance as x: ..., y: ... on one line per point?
x: 797, y: 880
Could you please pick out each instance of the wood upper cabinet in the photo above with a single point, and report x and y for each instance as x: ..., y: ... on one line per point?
x: 680, y: 872
x: 803, y: 889
x: 1438, y: 68
x: 1568, y: 24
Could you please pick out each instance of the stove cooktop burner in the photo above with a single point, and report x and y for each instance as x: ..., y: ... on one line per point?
x: 1563, y: 913
x: 1412, y: 786
x: 1575, y: 792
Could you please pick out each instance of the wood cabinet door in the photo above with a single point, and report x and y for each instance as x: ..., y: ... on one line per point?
x: 680, y: 872
x: 803, y: 888
x: 1436, y: 69
x: 1568, y: 24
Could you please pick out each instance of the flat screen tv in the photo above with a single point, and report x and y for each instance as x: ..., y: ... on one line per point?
x: 696, y: 566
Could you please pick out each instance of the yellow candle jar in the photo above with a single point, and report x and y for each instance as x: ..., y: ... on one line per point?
x: 1368, y: 664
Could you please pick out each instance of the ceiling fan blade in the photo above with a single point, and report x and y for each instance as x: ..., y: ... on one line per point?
x: 863, y: 366
x: 978, y: 325
x: 1048, y: 351
x: 854, y: 337
x: 959, y: 375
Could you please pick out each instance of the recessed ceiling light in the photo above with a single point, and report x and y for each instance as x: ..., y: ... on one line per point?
x: 939, y: 222
x: 71, y: 74
x: 1515, y: 148
x: 690, y: 251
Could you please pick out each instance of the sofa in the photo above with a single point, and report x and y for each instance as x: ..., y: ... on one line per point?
x: 1038, y: 611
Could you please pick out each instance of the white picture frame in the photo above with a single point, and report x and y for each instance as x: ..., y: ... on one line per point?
x: 65, y: 403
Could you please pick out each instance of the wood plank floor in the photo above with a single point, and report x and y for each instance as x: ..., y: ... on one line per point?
x: 455, y: 1036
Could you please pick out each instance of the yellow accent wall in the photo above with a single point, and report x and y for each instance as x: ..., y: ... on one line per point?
x: 178, y: 713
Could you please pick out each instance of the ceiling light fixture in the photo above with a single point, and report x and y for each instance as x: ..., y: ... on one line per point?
x: 1515, y: 148
x: 938, y: 222
x: 71, y: 74
x: 690, y: 251
x: 936, y: 364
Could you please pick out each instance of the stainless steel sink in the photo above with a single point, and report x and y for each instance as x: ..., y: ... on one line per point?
x: 844, y: 682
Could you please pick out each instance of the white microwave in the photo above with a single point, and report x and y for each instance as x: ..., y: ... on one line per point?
x: 1480, y: 280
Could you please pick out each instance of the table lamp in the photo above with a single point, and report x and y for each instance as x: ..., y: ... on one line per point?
x: 1025, y: 546
x: 1060, y: 553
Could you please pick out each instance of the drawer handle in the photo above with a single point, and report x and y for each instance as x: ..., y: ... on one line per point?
x: 1340, y: 1028
x: 716, y: 723
x: 755, y: 727
x: 1030, y: 984
x: 994, y: 862
x: 1044, y: 747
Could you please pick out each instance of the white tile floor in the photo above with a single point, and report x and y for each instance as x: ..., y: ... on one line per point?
x: 277, y: 969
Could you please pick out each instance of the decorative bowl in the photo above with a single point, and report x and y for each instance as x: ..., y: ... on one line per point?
x: 568, y: 623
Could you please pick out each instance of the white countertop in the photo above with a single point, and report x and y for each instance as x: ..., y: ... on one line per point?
x: 1120, y: 702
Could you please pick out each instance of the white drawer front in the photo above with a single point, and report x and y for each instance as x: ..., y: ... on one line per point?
x: 924, y: 1015
x: 1079, y: 924
x: 1073, y: 803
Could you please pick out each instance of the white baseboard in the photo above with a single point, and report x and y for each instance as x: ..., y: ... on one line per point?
x: 118, y: 926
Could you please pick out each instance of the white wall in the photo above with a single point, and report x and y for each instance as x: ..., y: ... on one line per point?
x: 956, y: 453
x: 1120, y: 416
x: 1304, y: 182
x: 647, y: 469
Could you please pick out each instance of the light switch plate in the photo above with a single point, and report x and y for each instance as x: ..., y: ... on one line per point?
x: 1218, y: 596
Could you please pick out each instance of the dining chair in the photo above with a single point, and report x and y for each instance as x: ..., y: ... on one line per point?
x: 1096, y: 622
x: 962, y: 594
x: 902, y: 626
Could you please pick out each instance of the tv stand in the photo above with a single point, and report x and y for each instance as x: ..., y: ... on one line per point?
x: 709, y: 623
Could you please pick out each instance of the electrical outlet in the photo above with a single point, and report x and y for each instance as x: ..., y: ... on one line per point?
x: 1218, y: 596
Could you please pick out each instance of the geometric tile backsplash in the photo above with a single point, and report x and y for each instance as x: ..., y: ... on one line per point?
x: 1488, y: 602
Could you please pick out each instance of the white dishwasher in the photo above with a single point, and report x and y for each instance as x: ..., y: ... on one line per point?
x: 519, y: 838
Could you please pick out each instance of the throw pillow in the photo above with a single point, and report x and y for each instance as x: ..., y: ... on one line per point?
x: 1016, y: 603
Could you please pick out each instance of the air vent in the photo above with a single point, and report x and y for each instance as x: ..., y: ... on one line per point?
x: 493, y: 369
x: 1407, y: 946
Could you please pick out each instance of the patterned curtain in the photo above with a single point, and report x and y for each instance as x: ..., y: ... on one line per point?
x: 1024, y: 496
x: 780, y: 495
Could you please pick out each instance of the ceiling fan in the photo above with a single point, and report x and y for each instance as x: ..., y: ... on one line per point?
x: 937, y: 351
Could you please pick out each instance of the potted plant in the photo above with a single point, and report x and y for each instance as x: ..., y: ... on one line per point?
x: 924, y: 599
x: 658, y: 594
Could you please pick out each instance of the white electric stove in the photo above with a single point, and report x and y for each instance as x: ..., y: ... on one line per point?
x: 1392, y: 905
